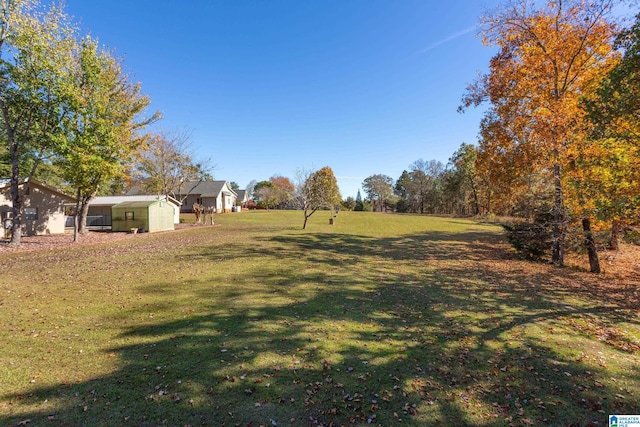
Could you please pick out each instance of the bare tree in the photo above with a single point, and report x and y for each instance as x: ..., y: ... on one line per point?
x: 250, y: 188
x: 302, y: 175
x: 168, y: 165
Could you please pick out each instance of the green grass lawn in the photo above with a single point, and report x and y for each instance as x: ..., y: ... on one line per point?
x: 377, y: 320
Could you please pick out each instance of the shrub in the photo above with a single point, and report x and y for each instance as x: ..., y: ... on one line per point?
x: 632, y: 236
x: 367, y: 207
x: 532, y: 240
x: 575, y: 239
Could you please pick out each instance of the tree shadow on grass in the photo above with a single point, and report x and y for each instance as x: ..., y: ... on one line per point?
x: 447, y: 344
x: 468, y: 248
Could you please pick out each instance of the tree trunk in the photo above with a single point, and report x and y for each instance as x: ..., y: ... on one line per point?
x: 16, y: 196
x: 16, y: 199
x: 594, y: 264
x: 84, y: 213
x: 487, y: 206
x: 306, y: 217
x: 476, y: 202
x: 16, y: 209
x: 76, y: 221
x: 558, y: 219
x: 615, y: 233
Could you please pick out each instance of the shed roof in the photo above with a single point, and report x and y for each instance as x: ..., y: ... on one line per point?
x: 136, y: 204
x: 114, y: 200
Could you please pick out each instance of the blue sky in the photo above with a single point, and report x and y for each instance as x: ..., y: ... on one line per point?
x: 268, y: 87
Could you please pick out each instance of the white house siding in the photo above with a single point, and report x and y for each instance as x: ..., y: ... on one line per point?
x: 229, y: 202
x: 212, y: 194
x: 192, y: 199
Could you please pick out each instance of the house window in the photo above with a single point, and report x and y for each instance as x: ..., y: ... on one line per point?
x: 30, y: 214
x: 128, y: 216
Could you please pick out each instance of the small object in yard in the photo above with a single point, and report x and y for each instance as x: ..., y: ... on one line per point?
x: 330, y: 221
x: 134, y: 230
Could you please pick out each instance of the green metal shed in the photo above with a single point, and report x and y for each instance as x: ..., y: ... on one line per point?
x: 150, y: 216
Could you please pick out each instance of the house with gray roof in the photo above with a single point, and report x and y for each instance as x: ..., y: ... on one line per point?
x: 216, y: 194
x: 243, y: 198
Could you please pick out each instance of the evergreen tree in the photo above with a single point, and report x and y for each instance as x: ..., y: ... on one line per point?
x: 359, y: 204
x: 403, y: 194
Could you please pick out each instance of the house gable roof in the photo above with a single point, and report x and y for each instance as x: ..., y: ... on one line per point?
x: 6, y: 182
x: 205, y: 188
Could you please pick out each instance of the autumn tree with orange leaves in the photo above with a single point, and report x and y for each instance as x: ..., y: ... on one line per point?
x: 606, y: 169
x: 283, y: 190
x: 548, y: 58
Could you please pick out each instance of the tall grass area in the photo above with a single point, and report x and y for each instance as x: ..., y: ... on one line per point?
x: 375, y: 320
